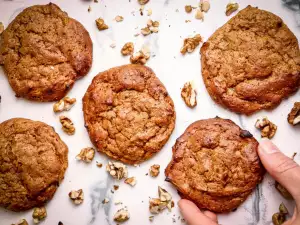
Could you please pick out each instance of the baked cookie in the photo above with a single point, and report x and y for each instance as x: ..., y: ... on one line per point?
x: 128, y: 113
x: 33, y: 160
x: 43, y: 52
x: 215, y: 165
x: 252, y: 62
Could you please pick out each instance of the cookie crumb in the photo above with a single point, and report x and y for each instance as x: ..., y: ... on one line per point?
x: 154, y: 170
x: 268, y: 129
x: 77, y: 196
x: 230, y: 8
x: 117, y: 170
x: 39, y: 214
x: 190, y: 44
x: 119, y: 18
x: 294, y: 115
x: 67, y: 125
x: 121, y: 215
x: 101, y: 24
x: 189, y: 94
x: 21, y: 222
x: 131, y: 181
x: 127, y: 49
x: 64, y: 104
x: 1, y: 27
x: 99, y: 165
x: 86, y: 155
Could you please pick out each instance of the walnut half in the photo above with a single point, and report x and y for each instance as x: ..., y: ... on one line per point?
x: 294, y: 115
x: 86, y: 154
x: 268, y: 129
x: 64, y: 104
x: 67, y: 125
x: 39, y: 214
x: 189, y: 95
x: 190, y: 44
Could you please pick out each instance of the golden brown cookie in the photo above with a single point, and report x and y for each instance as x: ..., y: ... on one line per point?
x: 252, y: 62
x: 128, y: 113
x: 215, y: 165
x: 33, y: 160
x: 43, y: 52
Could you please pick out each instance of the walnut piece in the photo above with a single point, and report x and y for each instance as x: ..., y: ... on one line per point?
x: 127, y: 49
x: 77, y: 196
x: 188, y: 8
x: 230, y: 8
x: 145, y: 31
x: 143, y: 2
x: 64, y: 104
x: 268, y: 129
x: 67, y: 125
x: 154, y: 170
x: 86, y: 155
x: 205, y: 5
x: 105, y: 201
x: 156, y: 205
x: 189, y: 95
x: 199, y: 15
x: 119, y: 18
x: 121, y: 215
x: 131, y: 181
x: 190, y: 44
x: 149, y: 12
x: 140, y: 57
x: 39, y: 214
x: 294, y: 115
x: 101, y: 24
x: 21, y: 222
x: 99, y: 164
x: 1, y: 27
x: 117, y: 170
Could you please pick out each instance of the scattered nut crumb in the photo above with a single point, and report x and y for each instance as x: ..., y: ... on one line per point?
x: 116, y: 187
x: 118, y: 203
x: 268, y: 129
x: 143, y: 2
x: 151, y: 218
x: 141, y: 10
x: 230, y: 8
x: 1, y: 27
x: 67, y: 125
x: 117, y: 170
x: 188, y: 21
x: 112, y: 45
x: 99, y: 165
x: 105, y: 201
x: 137, y: 34
x: 205, y: 5
x: 64, y: 104
x: 283, y: 209
x: 283, y: 191
x: 119, y: 18
x: 89, y: 8
x: 77, y: 196
x: 127, y: 49
x: 121, y: 215
x: 101, y: 24
x: 293, y: 156
x: 190, y: 44
x: 39, y: 214
x: 86, y: 155
x: 199, y: 15
x: 294, y: 115
x: 140, y: 57
x: 131, y: 181
x: 145, y: 31
x: 21, y: 222
x: 188, y: 8
x: 149, y: 12
x: 156, y: 205
x: 189, y: 95
x: 278, y: 218
x: 154, y: 170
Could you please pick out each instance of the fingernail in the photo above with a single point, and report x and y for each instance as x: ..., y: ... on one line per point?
x: 268, y: 147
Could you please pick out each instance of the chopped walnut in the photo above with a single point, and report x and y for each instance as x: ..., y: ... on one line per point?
x: 77, y: 196
x: 151, y: 218
x: 283, y: 209
x: 105, y: 201
x: 101, y: 24
x: 190, y: 44
x: 278, y: 218
x: 143, y: 2
x: 67, y: 125
x: 205, y: 6
x: 189, y: 95
x: 149, y: 12
x: 268, y: 129
x: 156, y: 205
x: 86, y: 155
x: 294, y: 115
x: 188, y: 8
x: 1, y: 27
x: 230, y: 8
x: 64, y: 104
x: 89, y: 8
x: 99, y: 165
x: 119, y: 18
x: 39, y: 214
x: 154, y: 170
x: 199, y: 15
x: 127, y: 49
x: 145, y: 31
x: 116, y: 187
x: 121, y: 215
x: 131, y: 181
x: 140, y: 57
x: 117, y: 170
x: 21, y: 222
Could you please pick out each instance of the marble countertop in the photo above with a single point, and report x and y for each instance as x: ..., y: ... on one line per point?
x: 173, y: 70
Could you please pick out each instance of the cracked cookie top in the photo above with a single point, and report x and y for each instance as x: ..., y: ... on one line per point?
x: 43, y: 52
x: 215, y: 164
x: 33, y: 160
x: 128, y: 113
x: 252, y: 62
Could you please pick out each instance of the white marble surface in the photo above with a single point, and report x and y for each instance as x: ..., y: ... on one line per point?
x: 173, y: 70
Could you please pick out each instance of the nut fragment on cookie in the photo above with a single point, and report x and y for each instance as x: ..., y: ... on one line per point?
x: 188, y: 8
x: 143, y: 2
x: 121, y: 215
x: 117, y: 170
x: 189, y: 95
x: 204, y: 5
x: 294, y: 115
x: 1, y: 27
x: 119, y: 18
x: 39, y: 214
x: 64, y: 104
x: 101, y: 24
x: 21, y: 222
x: 199, y: 15
x: 131, y: 181
x: 127, y: 49
x: 154, y: 170
x: 230, y: 8
x: 77, y: 196
x: 190, y: 44
x: 86, y: 154
x: 67, y: 125
x: 268, y: 129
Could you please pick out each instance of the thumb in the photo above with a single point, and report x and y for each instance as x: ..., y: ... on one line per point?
x: 282, y: 168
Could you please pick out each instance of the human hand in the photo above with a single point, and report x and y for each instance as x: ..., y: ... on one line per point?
x: 282, y: 168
